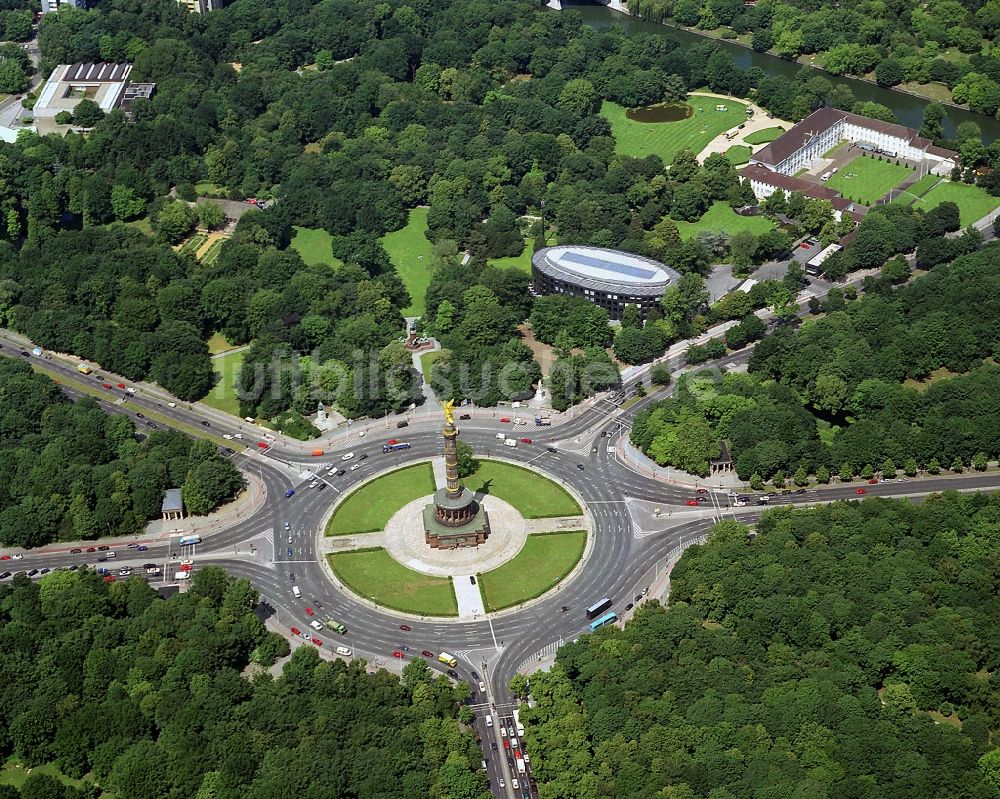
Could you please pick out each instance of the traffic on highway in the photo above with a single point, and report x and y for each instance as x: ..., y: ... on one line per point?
x: 277, y: 545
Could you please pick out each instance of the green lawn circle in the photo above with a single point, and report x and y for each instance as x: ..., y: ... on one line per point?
x: 542, y: 563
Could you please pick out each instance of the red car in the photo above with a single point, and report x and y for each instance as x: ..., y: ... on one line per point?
x: 185, y: 567
x: 310, y: 612
x: 392, y: 441
x: 405, y: 628
x: 316, y: 641
x: 397, y: 654
x: 106, y: 385
x: 4, y: 557
x: 121, y: 385
x: 427, y: 654
x: 505, y: 420
x: 860, y: 491
x: 262, y: 445
x: 296, y: 631
x: 804, y: 246
x: 693, y: 502
x: 109, y: 578
x: 702, y: 490
x: 92, y: 549
x: 525, y: 440
x: 873, y: 482
x: 506, y: 743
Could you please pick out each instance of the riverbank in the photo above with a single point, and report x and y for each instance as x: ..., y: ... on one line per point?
x: 906, y: 104
x: 806, y: 61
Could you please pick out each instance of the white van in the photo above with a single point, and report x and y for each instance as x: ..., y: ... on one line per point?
x: 345, y: 651
x: 182, y: 576
x: 296, y: 592
x: 489, y: 721
x: 510, y: 442
x: 316, y: 625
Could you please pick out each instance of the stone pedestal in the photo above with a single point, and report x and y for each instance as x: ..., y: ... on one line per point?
x: 454, y: 519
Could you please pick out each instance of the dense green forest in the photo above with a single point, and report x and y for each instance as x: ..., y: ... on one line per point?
x: 148, y: 698
x: 944, y: 41
x: 849, y: 651
x: 844, y: 372
x: 71, y: 471
x: 346, y: 114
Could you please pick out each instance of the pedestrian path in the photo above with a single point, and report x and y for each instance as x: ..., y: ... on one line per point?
x: 470, y: 598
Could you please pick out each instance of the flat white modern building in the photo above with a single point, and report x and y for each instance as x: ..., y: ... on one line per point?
x: 55, y: 5
x: 106, y: 84
x: 200, y: 6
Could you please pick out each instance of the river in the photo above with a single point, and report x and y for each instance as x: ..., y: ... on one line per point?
x: 908, y: 109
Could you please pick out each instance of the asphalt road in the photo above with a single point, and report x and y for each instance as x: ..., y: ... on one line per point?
x: 257, y: 547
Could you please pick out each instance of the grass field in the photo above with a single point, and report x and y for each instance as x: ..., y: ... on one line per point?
x: 666, y: 139
x: 14, y: 773
x: 764, y: 136
x: 374, y: 574
x: 369, y: 508
x: 543, y: 561
x: 721, y: 217
x: 867, y: 179
x: 738, y: 154
x: 973, y: 203
x: 206, y: 187
x: 427, y: 361
x: 218, y: 344
x: 410, y: 252
x: 313, y: 245
x: 223, y: 393
x: 193, y: 244
x: 212, y: 252
x: 522, y: 261
x: 536, y: 497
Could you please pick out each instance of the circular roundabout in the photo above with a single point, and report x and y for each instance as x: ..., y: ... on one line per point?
x: 504, y: 536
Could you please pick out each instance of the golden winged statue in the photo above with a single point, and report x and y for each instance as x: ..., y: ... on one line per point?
x: 449, y: 412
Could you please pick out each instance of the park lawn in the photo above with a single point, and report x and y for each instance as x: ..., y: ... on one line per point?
x: 764, y: 136
x: 544, y: 560
x: 313, y: 245
x: 218, y: 344
x: 14, y: 773
x: 973, y: 203
x: 522, y: 261
x: 410, y: 252
x: 738, y: 154
x: 427, y: 361
x: 666, y: 139
x: 722, y: 217
x: 374, y: 574
x: 368, y: 509
x: 142, y: 224
x: 223, y: 394
x: 534, y: 496
x: 917, y: 190
x: 207, y: 188
x: 866, y: 179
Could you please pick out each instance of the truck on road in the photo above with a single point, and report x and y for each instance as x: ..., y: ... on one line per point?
x: 444, y: 657
x: 84, y: 368
x: 541, y: 421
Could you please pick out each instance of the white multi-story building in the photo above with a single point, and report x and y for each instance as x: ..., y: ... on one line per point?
x: 807, y: 141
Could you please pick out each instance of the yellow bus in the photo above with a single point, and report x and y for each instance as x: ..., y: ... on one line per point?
x: 444, y: 657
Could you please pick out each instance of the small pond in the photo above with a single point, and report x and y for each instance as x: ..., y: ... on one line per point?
x: 665, y: 112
